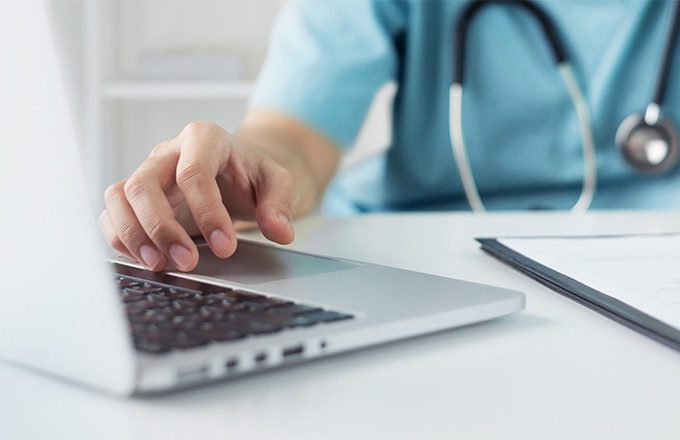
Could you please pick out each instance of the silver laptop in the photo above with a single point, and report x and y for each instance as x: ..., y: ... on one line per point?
x: 68, y: 312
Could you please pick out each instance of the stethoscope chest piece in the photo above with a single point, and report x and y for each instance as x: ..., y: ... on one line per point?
x: 649, y: 147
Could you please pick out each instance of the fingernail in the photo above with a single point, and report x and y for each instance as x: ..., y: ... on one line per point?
x: 149, y: 255
x: 181, y: 256
x: 219, y: 242
x: 283, y: 217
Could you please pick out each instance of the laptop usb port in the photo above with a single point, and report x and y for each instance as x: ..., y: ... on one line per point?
x: 293, y: 351
x: 193, y: 374
x: 260, y: 358
x: 232, y: 364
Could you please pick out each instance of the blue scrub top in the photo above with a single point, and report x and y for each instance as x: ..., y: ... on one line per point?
x: 327, y: 59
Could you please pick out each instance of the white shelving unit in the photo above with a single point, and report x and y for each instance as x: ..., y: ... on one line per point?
x: 109, y: 94
x: 123, y: 116
x: 162, y: 90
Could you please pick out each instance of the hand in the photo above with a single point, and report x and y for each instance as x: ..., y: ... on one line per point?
x: 197, y: 184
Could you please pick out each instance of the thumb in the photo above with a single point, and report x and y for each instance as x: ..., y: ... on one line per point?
x: 276, y: 194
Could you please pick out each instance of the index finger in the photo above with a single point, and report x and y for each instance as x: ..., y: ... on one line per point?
x: 196, y: 178
x: 145, y: 193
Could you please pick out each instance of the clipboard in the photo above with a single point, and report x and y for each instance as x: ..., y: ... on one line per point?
x: 583, y: 294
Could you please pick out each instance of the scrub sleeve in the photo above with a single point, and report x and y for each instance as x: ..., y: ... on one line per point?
x: 326, y: 61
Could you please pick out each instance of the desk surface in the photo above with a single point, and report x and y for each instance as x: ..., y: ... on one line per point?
x: 555, y: 371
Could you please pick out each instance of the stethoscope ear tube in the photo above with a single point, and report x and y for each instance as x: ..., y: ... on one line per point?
x: 587, y: 141
x: 459, y: 149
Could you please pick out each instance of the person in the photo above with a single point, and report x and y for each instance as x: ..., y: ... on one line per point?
x: 325, y: 63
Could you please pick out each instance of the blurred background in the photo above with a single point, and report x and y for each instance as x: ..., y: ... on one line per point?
x: 139, y: 71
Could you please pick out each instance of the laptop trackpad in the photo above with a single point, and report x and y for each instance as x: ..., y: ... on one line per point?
x: 255, y: 264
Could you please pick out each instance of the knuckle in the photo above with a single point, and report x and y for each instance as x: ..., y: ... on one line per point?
x: 160, y: 149
x: 205, y: 214
x: 113, y: 240
x: 128, y: 234
x: 134, y: 187
x: 159, y: 231
x: 190, y: 174
x: 117, y: 244
x: 113, y: 191
x: 197, y: 128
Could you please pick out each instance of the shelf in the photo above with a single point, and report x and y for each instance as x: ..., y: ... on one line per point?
x: 156, y: 90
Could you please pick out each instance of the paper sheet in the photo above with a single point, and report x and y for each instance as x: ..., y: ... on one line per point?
x: 640, y: 270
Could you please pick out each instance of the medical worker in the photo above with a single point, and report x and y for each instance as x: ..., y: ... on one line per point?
x: 523, y: 136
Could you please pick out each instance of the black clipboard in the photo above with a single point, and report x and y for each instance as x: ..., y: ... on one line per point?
x: 585, y: 295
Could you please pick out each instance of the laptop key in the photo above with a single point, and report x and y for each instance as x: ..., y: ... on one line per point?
x: 155, y: 347
x: 210, y: 313
x: 286, y: 320
x: 227, y: 307
x: 134, y: 308
x: 328, y: 316
x: 203, y: 299
x: 151, y: 316
x: 125, y: 282
x: 154, y: 300
x: 294, y: 309
x: 250, y: 296
x: 248, y: 306
x: 173, y: 293
x: 229, y: 295
x: 219, y: 332
x: 276, y: 302
x: 184, y: 323
x: 240, y: 295
x: 246, y: 324
x: 187, y: 340
x: 182, y: 307
x: 147, y: 288
x: 155, y: 336
x: 130, y: 294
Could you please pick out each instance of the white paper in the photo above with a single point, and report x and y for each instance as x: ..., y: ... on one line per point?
x: 642, y: 271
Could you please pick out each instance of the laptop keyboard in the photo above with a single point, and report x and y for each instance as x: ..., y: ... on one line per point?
x: 164, y: 318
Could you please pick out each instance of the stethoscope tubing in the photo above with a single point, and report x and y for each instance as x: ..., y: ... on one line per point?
x: 667, y: 57
x: 470, y: 12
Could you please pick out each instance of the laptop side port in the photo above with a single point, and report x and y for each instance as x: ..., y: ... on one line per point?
x: 231, y: 364
x: 292, y: 352
x: 193, y: 374
x: 260, y: 358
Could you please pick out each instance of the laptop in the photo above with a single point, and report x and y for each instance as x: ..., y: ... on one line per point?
x: 109, y: 324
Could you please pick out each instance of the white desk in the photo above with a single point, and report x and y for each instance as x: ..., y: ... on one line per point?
x: 555, y: 371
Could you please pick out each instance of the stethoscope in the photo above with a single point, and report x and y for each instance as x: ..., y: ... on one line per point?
x: 649, y: 142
